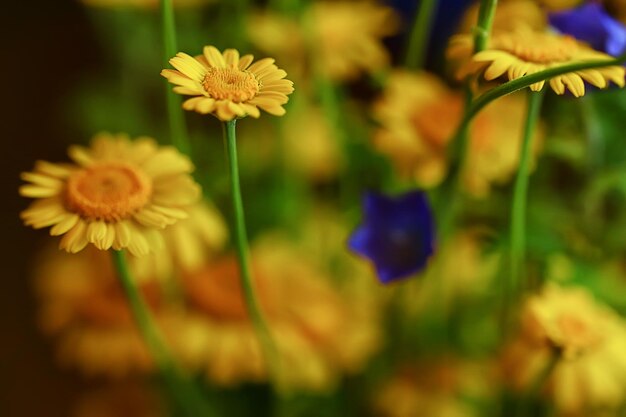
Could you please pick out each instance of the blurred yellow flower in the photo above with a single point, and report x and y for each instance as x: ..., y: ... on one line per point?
x: 418, y: 114
x: 434, y: 388
x: 83, y: 306
x: 188, y: 244
x: 228, y: 86
x: 509, y: 15
x: 117, y: 194
x: 320, y: 332
x: 342, y: 39
x: 311, y: 146
x: 588, y: 337
x: 523, y: 52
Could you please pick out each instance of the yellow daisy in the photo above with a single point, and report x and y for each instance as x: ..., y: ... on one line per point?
x: 228, y: 86
x: 590, y: 340
x: 522, y: 52
x: 418, y: 114
x: 320, y: 332
x: 117, y: 194
x: 434, y: 387
x: 342, y: 39
x: 82, y: 304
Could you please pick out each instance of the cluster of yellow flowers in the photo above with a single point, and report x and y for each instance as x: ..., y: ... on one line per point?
x: 134, y: 195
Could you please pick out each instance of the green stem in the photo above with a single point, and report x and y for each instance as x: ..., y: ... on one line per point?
x: 486, y: 13
x: 531, y: 395
x: 420, y: 34
x: 520, y: 194
x: 176, y: 116
x: 523, y: 82
x: 184, y: 391
x: 241, y: 242
x: 449, y: 199
x: 527, y: 80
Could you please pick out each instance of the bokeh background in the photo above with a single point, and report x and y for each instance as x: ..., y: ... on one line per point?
x: 47, y: 47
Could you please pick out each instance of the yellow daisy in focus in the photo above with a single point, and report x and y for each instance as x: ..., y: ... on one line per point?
x: 229, y: 86
x: 418, y: 114
x: 83, y: 306
x: 590, y: 340
x: 117, y: 194
x: 523, y: 52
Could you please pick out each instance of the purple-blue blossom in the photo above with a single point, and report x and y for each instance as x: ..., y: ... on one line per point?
x: 397, y: 234
x: 591, y: 23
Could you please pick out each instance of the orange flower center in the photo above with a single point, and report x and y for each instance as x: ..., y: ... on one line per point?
x: 540, y: 49
x: 574, y: 334
x: 216, y: 291
x: 108, y: 191
x: 230, y: 84
x: 435, y: 121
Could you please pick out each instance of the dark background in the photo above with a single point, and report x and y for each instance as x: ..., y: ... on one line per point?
x: 46, y: 45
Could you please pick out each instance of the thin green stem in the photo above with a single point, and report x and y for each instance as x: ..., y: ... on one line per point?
x: 527, y: 80
x: 241, y: 242
x: 420, y: 34
x: 532, y: 393
x: 517, y: 253
x: 486, y: 13
x: 449, y: 199
x: 186, y: 394
x: 176, y: 116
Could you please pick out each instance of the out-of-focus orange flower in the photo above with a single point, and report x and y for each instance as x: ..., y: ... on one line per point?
x: 84, y: 308
x: 435, y: 389
x: 117, y: 194
x: 341, y: 39
x: 320, y: 332
x: 227, y: 85
x: 418, y: 114
x: 590, y: 341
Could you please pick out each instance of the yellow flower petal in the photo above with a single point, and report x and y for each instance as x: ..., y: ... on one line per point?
x: 214, y: 57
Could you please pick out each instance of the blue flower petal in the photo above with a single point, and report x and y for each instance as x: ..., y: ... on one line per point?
x: 397, y: 234
x: 590, y: 23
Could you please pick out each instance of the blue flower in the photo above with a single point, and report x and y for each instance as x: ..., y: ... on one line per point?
x: 397, y: 234
x: 590, y: 23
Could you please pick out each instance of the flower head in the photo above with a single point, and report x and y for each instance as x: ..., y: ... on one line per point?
x: 590, y: 23
x: 397, y: 234
x: 522, y: 52
x: 82, y: 305
x: 229, y: 86
x: 590, y: 340
x: 117, y: 194
x: 321, y: 331
x: 418, y: 112
x: 342, y: 39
